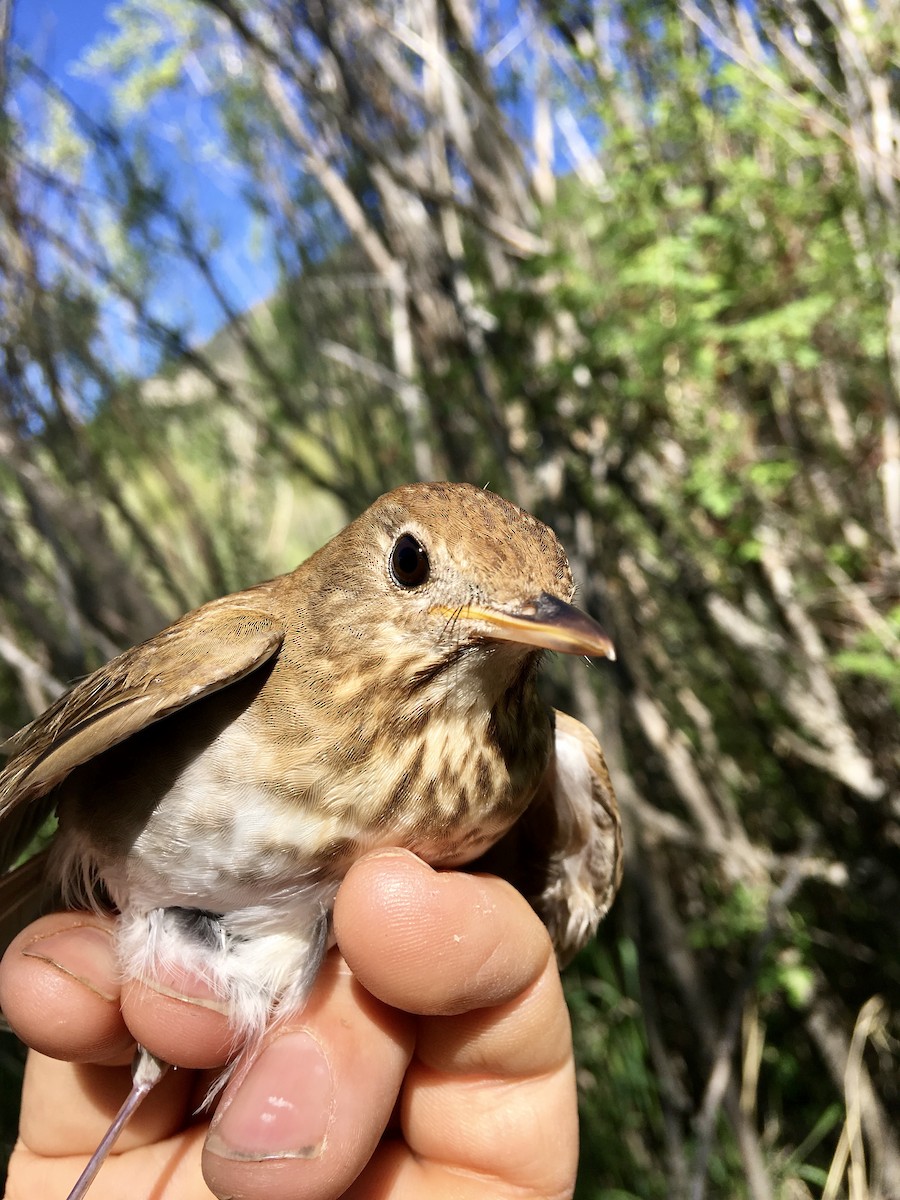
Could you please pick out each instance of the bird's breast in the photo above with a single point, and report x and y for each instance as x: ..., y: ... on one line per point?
x: 243, y: 816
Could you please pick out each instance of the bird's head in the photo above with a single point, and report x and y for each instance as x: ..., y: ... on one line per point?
x: 443, y: 573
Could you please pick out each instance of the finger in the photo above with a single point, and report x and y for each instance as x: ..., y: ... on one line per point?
x: 59, y: 989
x: 491, y: 1089
x: 493, y: 1093
x: 306, y: 1116
x: 61, y: 992
x: 481, y: 943
x: 168, y: 1169
x: 179, y: 1018
x: 67, y: 1107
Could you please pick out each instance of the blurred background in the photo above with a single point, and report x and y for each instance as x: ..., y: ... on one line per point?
x: 635, y: 266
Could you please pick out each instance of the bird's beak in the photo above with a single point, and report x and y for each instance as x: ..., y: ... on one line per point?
x: 545, y: 621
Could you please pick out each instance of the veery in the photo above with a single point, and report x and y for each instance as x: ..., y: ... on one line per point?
x: 215, y: 782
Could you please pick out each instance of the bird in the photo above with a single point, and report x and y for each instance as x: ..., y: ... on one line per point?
x: 214, y: 783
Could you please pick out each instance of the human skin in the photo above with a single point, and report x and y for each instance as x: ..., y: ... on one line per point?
x: 433, y: 1059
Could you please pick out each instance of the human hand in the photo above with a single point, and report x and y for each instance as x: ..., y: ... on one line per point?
x: 434, y: 1059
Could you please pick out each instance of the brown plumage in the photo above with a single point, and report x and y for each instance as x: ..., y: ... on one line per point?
x: 215, y: 782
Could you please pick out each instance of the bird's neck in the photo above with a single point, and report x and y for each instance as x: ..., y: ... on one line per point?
x: 472, y: 682
x: 486, y: 701
x: 438, y: 752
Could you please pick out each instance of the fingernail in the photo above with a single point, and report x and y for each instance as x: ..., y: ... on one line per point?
x: 182, y: 985
x: 83, y: 952
x: 283, y: 1106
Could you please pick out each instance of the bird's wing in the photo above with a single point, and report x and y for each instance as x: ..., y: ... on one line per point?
x: 577, y: 803
x: 206, y: 650
x: 565, y: 853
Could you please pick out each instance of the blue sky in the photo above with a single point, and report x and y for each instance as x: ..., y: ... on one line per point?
x: 66, y: 25
x: 54, y: 35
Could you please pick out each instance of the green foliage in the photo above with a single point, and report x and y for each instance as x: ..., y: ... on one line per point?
x: 736, y: 916
x: 875, y: 654
x: 146, y: 54
x: 689, y: 381
x: 618, y: 1090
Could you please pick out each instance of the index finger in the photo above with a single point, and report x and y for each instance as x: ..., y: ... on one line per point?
x: 467, y: 948
x: 489, y: 1102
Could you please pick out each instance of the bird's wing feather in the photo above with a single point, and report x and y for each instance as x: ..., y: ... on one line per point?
x: 203, y: 652
x: 565, y: 853
x: 585, y: 851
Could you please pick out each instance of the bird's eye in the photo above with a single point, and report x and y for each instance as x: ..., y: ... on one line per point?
x: 409, y: 562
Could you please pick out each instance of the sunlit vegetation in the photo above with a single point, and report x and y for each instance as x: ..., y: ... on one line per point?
x: 636, y: 266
